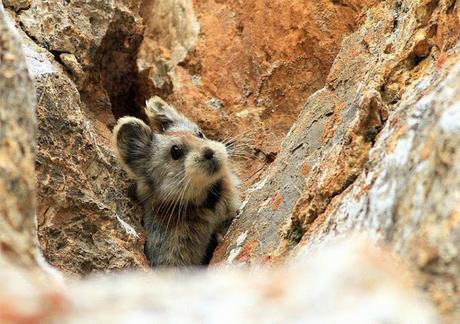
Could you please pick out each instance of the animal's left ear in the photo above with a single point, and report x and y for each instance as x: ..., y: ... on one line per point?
x: 163, y: 116
x: 134, y: 141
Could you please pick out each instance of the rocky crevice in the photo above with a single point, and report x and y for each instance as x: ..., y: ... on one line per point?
x: 110, y: 64
x: 82, y: 82
x: 373, y: 151
x: 115, y: 64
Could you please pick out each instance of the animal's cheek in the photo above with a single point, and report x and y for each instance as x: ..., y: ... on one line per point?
x: 223, y: 156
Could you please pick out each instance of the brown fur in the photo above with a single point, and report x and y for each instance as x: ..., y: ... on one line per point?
x: 185, y: 199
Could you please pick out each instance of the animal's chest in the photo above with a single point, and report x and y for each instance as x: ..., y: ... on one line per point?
x: 176, y: 238
x: 181, y: 222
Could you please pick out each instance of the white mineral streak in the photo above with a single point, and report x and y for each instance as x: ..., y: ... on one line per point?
x: 237, y: 249
x: 127, y: 228
x: 36, y: 63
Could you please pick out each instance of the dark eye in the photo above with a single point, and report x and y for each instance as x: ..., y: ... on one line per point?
x: 200, y: 134
x: 176, y: 152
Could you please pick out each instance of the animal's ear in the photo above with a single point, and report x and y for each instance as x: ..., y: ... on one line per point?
x: 133, y: 140
x: 163, y: 116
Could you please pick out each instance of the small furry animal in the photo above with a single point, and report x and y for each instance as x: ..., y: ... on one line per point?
x: 185, y: 184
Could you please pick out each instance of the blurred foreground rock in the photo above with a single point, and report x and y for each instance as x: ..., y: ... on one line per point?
x: 348, y: 282
x: 17, y: 150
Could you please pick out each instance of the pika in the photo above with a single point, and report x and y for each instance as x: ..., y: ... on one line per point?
x: 184, y: 182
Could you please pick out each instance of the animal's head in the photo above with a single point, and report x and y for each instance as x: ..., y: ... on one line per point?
x: 172, y: 156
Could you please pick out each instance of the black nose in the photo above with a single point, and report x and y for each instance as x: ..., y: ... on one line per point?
x: 208, y: 153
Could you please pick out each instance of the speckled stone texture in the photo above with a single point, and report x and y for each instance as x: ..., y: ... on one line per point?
x: 17, y: 149
x: 86, y: 221
x: 375, y: 151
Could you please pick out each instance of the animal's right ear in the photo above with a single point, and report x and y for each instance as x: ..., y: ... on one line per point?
x: 163, y: 116
x: 133, y: 140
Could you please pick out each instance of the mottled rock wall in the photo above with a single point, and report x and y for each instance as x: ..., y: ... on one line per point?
x: 410, y: 198
x: 17, y: 150
x: 76, y: 54
x: 375, y: 151
x: 85, y: 219
x: 243, y: 67
x: 95, y: 61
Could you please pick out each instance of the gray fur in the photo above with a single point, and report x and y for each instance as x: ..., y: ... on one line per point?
x: 184, y: 201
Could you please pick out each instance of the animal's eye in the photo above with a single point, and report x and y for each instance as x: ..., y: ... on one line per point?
x: 176, y: 152
x: 200, y: 134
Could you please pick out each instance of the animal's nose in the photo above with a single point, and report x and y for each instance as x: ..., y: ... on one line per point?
x: 208, y: 153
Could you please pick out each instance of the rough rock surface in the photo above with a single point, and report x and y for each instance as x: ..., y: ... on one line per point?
x: 86, y: 222
x: 17, y: 4
x: 96, y: 41
x: 17, y: 150
x: 82, y: 55
x: 85, y: 219
x: 243, y: 67
x: 348, y: 283
x: 410, y: 197
x: 374, y: 151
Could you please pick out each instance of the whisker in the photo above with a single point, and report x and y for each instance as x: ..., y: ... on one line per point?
x: 182, y: 204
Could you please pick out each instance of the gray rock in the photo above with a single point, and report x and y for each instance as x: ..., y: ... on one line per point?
x: 375, y: 151
x: 17, y: 149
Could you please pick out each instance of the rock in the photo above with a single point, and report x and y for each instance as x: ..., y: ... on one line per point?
x: 409, y: 197
x: 244, y: 53
x: 374, y: 151
x: 75, y: 68
x: 76, y: 27
x: 80, y: 54
x: 83, y: 61
x: 86, y: 222
x: 17, y: 150
x: 346, y: 282
x: 17, y: 4
x: 99, y: 37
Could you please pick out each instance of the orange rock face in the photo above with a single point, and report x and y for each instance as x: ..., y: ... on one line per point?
x: 248, y: 70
